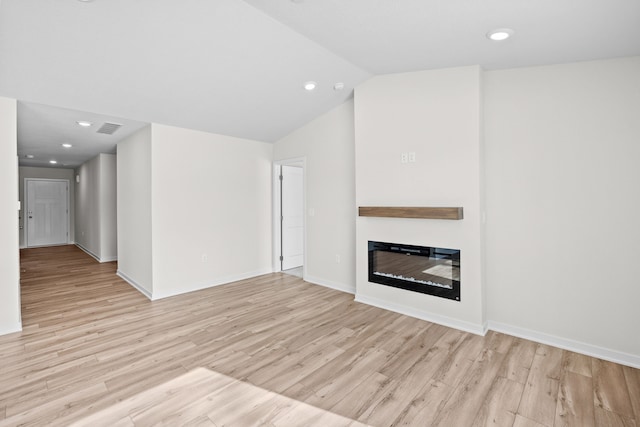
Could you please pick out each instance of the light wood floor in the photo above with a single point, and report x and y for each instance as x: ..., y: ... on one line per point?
x: 275, y: 350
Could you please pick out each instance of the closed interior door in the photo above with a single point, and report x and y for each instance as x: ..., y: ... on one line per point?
x: 292, y: 195
x: 47, y: 218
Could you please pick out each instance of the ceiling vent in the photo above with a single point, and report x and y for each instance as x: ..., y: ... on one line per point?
x: 109, y: 128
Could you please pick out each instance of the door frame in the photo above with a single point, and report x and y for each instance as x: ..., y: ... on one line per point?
x: 277, y: 213
x: 25, y: 221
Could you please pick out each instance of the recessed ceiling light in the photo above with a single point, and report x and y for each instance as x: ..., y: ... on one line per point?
x: 500, y: 34
x: 338, y: 86
x: 29, y: 156
x: 310, y: 86
x: 84, y: 123
x: 53, y: 162
x: 66, y: 145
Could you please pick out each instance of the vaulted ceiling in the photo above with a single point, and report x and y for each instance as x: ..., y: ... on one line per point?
x: 237, y: 67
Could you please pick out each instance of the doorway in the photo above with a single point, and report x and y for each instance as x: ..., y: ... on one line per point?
x: 47, y: 212
x: 289, y: 203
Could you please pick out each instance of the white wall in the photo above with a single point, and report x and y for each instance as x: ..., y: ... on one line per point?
x: 87, y: 207
x: 134, y: 210
x: 108, y: 208
x: 47, y: 173
x: 436, y: 115
x: 327, y: 144
x: 9, y: 254
x: 211, y: 208
x: 96, y: 207
x: 562, y: 170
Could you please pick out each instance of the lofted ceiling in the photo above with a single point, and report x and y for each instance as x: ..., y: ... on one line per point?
x: 392, y: 36
x: 237, y: 67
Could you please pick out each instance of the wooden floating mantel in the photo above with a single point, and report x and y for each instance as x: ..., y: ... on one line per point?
x: 411, y: 212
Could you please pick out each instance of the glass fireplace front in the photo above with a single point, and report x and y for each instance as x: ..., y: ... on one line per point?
x: 424, y: 269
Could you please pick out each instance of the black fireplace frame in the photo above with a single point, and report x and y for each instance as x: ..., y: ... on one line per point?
x: 423, y: 251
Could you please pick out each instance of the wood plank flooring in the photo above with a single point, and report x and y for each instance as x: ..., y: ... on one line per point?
x: 276, y: 351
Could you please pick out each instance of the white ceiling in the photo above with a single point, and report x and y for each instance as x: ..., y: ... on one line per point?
x: 237, y: 67
x: 43, y: 129
x: 391, y: 36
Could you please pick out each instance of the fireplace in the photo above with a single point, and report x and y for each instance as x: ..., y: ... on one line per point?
x: 424, y: 269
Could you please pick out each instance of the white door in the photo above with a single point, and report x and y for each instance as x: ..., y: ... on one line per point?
x: 47, y: 219
x: 292, y: 208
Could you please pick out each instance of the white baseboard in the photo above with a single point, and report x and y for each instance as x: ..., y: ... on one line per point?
x: 17, y: 327
x: 210, y: 284
x: 564, y: 343
x: 88, y: 252
x: 351, y: 289
x: 95, y: 256
x: 478, y: 329
x: 568, y: 344
x: 134, y: 284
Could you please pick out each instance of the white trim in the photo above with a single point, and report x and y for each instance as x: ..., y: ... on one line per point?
x: 12, y: 329
x: 97, y: 258
x: 298, y: 161
x: 88, y: 252
x: 205, y: 285
x: 26, y: 210
x: 275, y: 205
x: 134, y: 284
x: 473, y: 328
x: 351, y: 289
x: 568, y: 344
